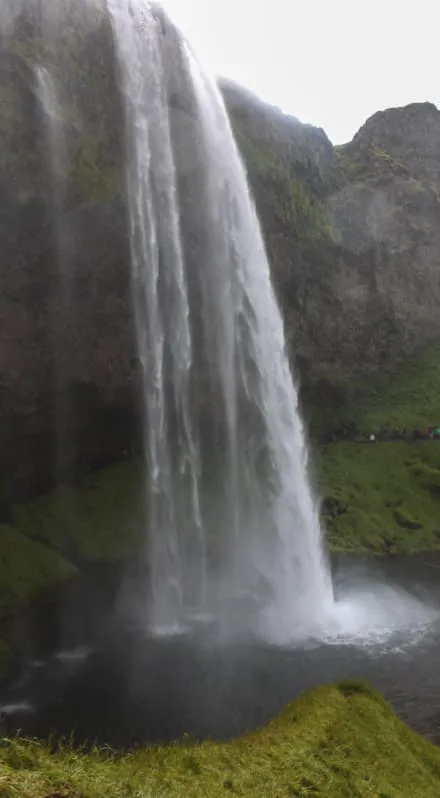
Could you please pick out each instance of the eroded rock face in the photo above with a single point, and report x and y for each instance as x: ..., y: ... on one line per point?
x: 353, y: 233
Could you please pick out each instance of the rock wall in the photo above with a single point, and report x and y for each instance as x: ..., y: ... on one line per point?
x: 67, y: 350
x: 353, y: 234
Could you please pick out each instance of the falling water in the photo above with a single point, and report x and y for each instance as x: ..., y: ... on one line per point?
x: 233, y: 526
x: 233, y: 521
x: 56, y: 157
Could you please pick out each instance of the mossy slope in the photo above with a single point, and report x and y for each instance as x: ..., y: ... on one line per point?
x: 391, y: 492
x: 47, y: 541
x: 27, y: 570
x: 406, y: 396
x: 102, y: 519
x: 391, y: 489
x: 334, y: 741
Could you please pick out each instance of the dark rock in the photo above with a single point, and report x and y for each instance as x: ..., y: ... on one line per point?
x: 68, y: 392
x: 353, y: 235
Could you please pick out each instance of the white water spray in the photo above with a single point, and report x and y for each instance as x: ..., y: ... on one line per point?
x: 234, y: 534
x: 206, y: 315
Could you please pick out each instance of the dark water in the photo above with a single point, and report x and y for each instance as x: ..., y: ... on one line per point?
x: 124, y: 687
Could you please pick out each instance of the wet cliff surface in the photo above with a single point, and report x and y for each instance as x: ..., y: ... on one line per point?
x: 353, y: 234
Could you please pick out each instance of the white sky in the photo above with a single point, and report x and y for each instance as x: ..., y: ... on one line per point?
x: 329, y: 62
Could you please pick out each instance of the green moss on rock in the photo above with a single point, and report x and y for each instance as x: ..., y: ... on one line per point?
x: 49, y: 539
x: 27, y: 569
x: 369, y: 164
x: 296, y: 210
x: 335, y: 741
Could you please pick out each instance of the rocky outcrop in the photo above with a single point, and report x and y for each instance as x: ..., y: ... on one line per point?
x: 353, y: 234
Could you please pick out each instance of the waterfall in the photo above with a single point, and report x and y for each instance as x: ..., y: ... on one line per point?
x: 51, y: 114
x: 233, y: 522
x: 233, y: 525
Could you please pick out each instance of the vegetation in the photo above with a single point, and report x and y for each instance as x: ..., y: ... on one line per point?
x: 293, y: 204
x: 406, y: 396
x: 389, y: 495
x: 49, y: 539
x: 99, y: 520
x: 363, y: 165
x: 389, y: 492
x: 27, y: 569
x: 334, y: 741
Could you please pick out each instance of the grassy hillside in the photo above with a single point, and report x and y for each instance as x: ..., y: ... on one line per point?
x: 390, y: 491
x: 339, y: 741
x: 406, y: 396
x: 99, y: 520
x: 390, y: 494
x: 48, y: 540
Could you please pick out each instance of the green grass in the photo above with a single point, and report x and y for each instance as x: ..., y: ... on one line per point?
x: 27, y: 568
x: 392, y: 490
x: 392, y: 493
x: 339, y: 741
x: 407, y: 396
x: 48, y: 540
x: 102, y: 519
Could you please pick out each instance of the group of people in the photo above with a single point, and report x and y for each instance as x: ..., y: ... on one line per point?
x: 351, y: 433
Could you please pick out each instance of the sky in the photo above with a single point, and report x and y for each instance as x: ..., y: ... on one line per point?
x: 332, y: 63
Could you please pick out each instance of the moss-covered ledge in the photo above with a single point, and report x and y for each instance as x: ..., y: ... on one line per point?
x: 48, y: 540
x: 27, y: 570
x: 335, y: 741
x: 102, y: 518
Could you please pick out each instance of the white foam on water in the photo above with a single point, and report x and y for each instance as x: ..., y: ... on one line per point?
x: 372, y: 615
x: 73, y: 655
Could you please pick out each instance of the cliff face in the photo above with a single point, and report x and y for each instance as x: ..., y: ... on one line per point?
x: 353, y: 234
x: 67, y: 335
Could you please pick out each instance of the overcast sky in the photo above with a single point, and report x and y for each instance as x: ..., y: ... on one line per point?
x: 329, y: 62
